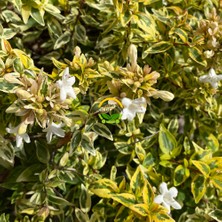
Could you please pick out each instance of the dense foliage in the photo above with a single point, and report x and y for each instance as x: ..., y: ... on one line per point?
x: 110, y: 110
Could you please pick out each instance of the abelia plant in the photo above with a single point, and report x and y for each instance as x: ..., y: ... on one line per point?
x: 110, y: 110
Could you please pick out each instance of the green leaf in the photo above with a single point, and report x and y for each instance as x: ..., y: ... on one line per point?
x: 64, y: 160
x: 80, y: 33
x: 18, y: 66
x: 217, y: 181
x: 182, y: 34
x: 104, y: 188
x: 216, y: 215
x: 8, y: 33
x: 76, y: 139
x: 141, y: 209
x: 196, y: 55
x: 212, y: 143
x: 7, y: 153
x: 180, y: 175
x: 202, y: 167
x: 62, y: 40
x: 81, y: 216
x: 167, y: 141
x: 158, y: 47
x: 51, y: 9
x: 148, y: 195
x: 123, y: 214
x: 137, y: 181
x: 140, y: 151
x: 11, y: 16
x: 37, y: 16
x: 102, y: 130
x: 198, y: 187
x: 25, y: 11
x: 148, y: 161
x: 84, y: 199
x: 42, y: 152
x: 87, y: 144
x: 126, y: 199
x: 30, y: 173
x: 59, y: 201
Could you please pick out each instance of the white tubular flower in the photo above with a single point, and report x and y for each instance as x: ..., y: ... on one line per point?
x: 166, y: 197
x: 132, y: 107
x: 19, y: 137
x: 211, y: 78
x: 55, y: 129
x: 65, y: 85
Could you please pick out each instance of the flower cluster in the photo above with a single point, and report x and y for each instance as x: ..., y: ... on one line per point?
x: 41, y: 101
x: 134, y: 80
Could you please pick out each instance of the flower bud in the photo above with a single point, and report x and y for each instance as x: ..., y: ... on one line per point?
x: 137, y: 84
x: 23, y: 94
x: 132, y: 54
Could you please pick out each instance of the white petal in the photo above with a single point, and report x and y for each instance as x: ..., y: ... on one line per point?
x: 163, y: 188
x: 173, y: 192
x: 127, y: 114
x: 65, y: 75
x: 175, y: 205
x: 19, y: 141
x: 49, y: 136
x: 214, y: 84
x: 126, y: 102
x: 58, y: 132
x: 71, y: 80
x: 167, y: 206
x: 12, y: 130
x: 9, y: 130
x: 59, y: 83
x: 218, y: 77
x: 26, y: 138
x: 71, y: 93
x: 62, y: 94
x: 66, y: 71
x: 140, y: 109
x: 158, y: 199
x: 212, y: 72
x: 204, y: 78
x: 140, y: 100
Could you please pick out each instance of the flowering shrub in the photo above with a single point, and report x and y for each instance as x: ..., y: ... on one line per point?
x: 110, y: 110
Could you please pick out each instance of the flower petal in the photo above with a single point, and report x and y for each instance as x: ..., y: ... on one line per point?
x: 175, y: 205
x: 163, y: 188
x: 58, y: 132
x: 173, y: 192
x: 167, y: 206
x: 214, y: 84
x: 212, y: 73
x: 71, y: 80
x: 63, y: 94
x: 49, y: 136
x: 126, y: 102
x: 203, y: 78
x: 26, y: 138
x: 158, y: 199
x: 126, y: 114
x: 19, y: 141
x: 70, y: 92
